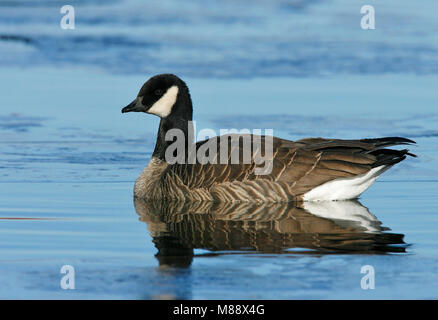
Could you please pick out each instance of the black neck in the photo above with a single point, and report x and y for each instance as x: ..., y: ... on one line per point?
x: 178, y: 119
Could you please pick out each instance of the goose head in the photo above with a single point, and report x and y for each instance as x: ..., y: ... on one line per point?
x: 164, y: 95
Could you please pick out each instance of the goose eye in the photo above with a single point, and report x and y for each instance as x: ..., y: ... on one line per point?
x: 158, y: 92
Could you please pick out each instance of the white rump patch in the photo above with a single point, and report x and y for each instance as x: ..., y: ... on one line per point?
x: 163, y: 107
x: 345, y: 188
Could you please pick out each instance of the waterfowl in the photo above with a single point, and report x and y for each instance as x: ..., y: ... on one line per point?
x: 312, y: 169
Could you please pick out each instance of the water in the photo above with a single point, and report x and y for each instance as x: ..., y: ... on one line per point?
x: 68, y: 158
x: 243, y: 38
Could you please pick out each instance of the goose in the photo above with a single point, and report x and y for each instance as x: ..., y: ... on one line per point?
x: 311, y: 169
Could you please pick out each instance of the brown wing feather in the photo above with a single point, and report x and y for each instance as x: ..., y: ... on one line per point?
x: 301, y: 165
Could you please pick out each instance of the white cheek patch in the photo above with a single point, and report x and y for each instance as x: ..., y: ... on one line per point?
x: 163, y: 107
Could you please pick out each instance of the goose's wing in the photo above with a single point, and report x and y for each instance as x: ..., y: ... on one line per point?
x: 301, y: 165
x: 216, y: 164
x: 318, y: 160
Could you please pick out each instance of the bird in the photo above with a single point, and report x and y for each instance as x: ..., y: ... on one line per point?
x: 310, y: 169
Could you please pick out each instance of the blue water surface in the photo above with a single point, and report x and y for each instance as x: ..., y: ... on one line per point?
x: 68, y: 158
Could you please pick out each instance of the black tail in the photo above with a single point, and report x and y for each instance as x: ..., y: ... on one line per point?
x: 389, y: 156
x: 389, y: 141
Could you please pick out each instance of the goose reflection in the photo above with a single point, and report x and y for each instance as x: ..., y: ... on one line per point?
x: 319, y: 227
